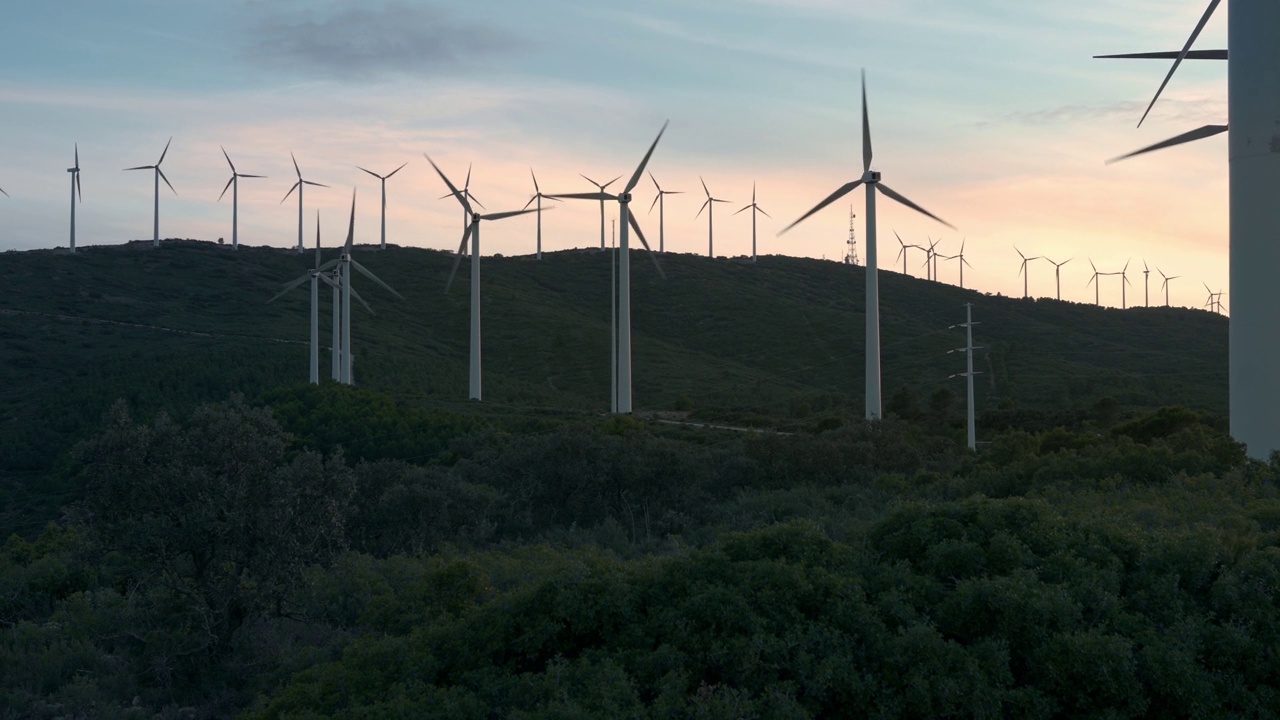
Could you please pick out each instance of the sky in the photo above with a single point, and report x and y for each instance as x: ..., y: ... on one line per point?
x: 989, y: 113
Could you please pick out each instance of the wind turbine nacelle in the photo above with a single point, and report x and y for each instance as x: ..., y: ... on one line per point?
x: 624, y: 197
x: 871, y: 176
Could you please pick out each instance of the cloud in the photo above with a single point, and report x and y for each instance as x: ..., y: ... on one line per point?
x: 1171, y: 109
x: 369, y: 41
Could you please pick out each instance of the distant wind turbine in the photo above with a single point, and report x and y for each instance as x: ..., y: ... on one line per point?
x: 1026, y: 276
x: 931, y: 260
x: 1057, y: 273
x: 755, y: 209
x: 347, y: 263
x: 234, y: 184
x: 75, y: 193
x: 1214, y: 303
x: 383, y: 180
x: 1165, y: 285
x: 466, y: 192
x: 601, y: 188
x: 158, y: 175
x: 710, y: 207
x: 660, y: 201
x: 1124, y: 282
x: 902, y: 254
x: 627, y: 221
x: 537, y: 197
x: 1097, y: 286
x: 872, y: 181
x: 471, y: 233
x: 1146, y: 284
x: 962, y: 260
x: 316, y: 276
x: 298, y: 186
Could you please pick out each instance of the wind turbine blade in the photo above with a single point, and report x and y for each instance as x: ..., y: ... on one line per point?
x: 140, y: 167
x: 329, y: 281
x: 704, y: 187
x: 866, y: 127
x: 351, y: 225
x: 745, y: 208
x: 536, y: 190
x: 286, y: 195
x: 250, y: 176
x: 79, y: 192
x: 166, y: 180
x: 365, y: 271
x: 631, y: 220
x: 371, y: 173
x: 457, y: 259
x: 77, y: 156
x: 512, y: 213
x: 453, y: 190
x: 602, y: 187
x: 720, y: 201
x: 2, y: 192
x: 526, y: 205
x: 295, y: 165
x: 655, y: 182
x: 844, y: 190
x: 1167, y: 55
x: 164, y: 152
x: 393, y: 172
x: 891, y: 193
x: 225, y: 155
x: 356, y: 295
x: 1213, y: 4
x: 289, y: 287
x: 762, y: 212
x: 329, y: 264
x: 704, y: 207
x: 471, y: 196
x: 228, y: 187
x: 585, y: 196
x: 1201, y: 133
x: 654, y: 204
x: 308, y: 182
x: 466, y: 184
x: 635, y: 178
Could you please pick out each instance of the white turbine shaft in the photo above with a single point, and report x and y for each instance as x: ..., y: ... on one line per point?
x: 873, y: 406
x: 235, y: 212
x: 347, y: 357
x: 300, y: 186
x: 968, y: 329
x: 624, y: 304
x: 662, y: 243
x: 156, y: 216
x: 315, y: 327
x: 539, y: 225
x: 753, y: 229
x: 475, y: 308
x: 337, y: 328
x: 384, y: 213
x: 613, y: 330
x: 73, y: 207
x: 1254, y: 142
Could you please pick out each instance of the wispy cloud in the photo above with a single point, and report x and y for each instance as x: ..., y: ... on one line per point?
x: 1171, y: 109
x: 364, y: 41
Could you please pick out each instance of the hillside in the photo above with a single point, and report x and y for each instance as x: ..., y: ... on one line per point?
x: 189, y: 323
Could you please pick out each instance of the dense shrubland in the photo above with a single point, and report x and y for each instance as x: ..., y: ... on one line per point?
x: 347, y: 556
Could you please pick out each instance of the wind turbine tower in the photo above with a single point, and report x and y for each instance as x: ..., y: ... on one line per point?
x: 902, y: 253
x: 382, y: 179
x: 872, y: 179
x: 1146, y: 285
x: 75, y: 193
x: 1026, y: 276
x: 601, y: 188
x: 710, y: 207
x: 537, y: 197
x: 1165, y: 285
x: 158, y: 175
x: 755, y: 209
x: 234, y: 184
x: 1124, y: 283
x: 1057, y: 273
x: 1253, y: 103
x: 1097, y: 285
x: 298, y: 186
x: 660, y: 202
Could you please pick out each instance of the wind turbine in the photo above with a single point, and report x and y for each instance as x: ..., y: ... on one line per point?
x: 75, y: 192
x: 903, y: 252
x: 383, y: 180
x: 538, y: 195
x: 660, y: 201
x: 158, y: 174
x: 298, y: 186
x: 1253, y: 86
x: 1026, y: 276
x: 962, y: 260
x: 1165, y: 286
x: 754, y: 208
x: 601, y: 188
x: 316, y: 276
x: 872, y: 181
x: 1097, y: 286
x: 466, y: 192
x: 710, y: 207
x: 931, y: 260
x: 1124, y: 282
x: 1057, y: 272
x: 1214, y: 303
x: 471, y: 232
x: 234, y: 184
x: 1146, y: 285
x: 347, y: 264
x: 627, y: 220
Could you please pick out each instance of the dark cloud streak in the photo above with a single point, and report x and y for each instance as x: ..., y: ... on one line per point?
x: 369, y: 41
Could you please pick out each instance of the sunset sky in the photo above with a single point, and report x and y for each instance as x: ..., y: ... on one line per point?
x: 989, y: 113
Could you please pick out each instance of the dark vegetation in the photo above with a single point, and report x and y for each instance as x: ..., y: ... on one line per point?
x: 196, y: 535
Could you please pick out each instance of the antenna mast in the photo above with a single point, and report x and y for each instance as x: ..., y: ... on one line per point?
x: 968, y: 351
x: 851, y: 254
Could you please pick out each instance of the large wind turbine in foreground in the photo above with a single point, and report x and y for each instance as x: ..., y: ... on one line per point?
x: 660, y: 201
x: 383, y: 179
x: 537, y: 197
x: 710, y: 207
x: 755, y: 209
x: 75, y: 193
x: 158, y: 174
x: 234, y: 184
x: 298, y: 186
x: 627, y: 220
x: 872, y: 180
x: 1253, y: 97
x: 471, y: 233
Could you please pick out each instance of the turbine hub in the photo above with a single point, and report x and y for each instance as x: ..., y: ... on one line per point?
x: 475, y: 217
x: 624, y: 197
x: 871, y: 176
